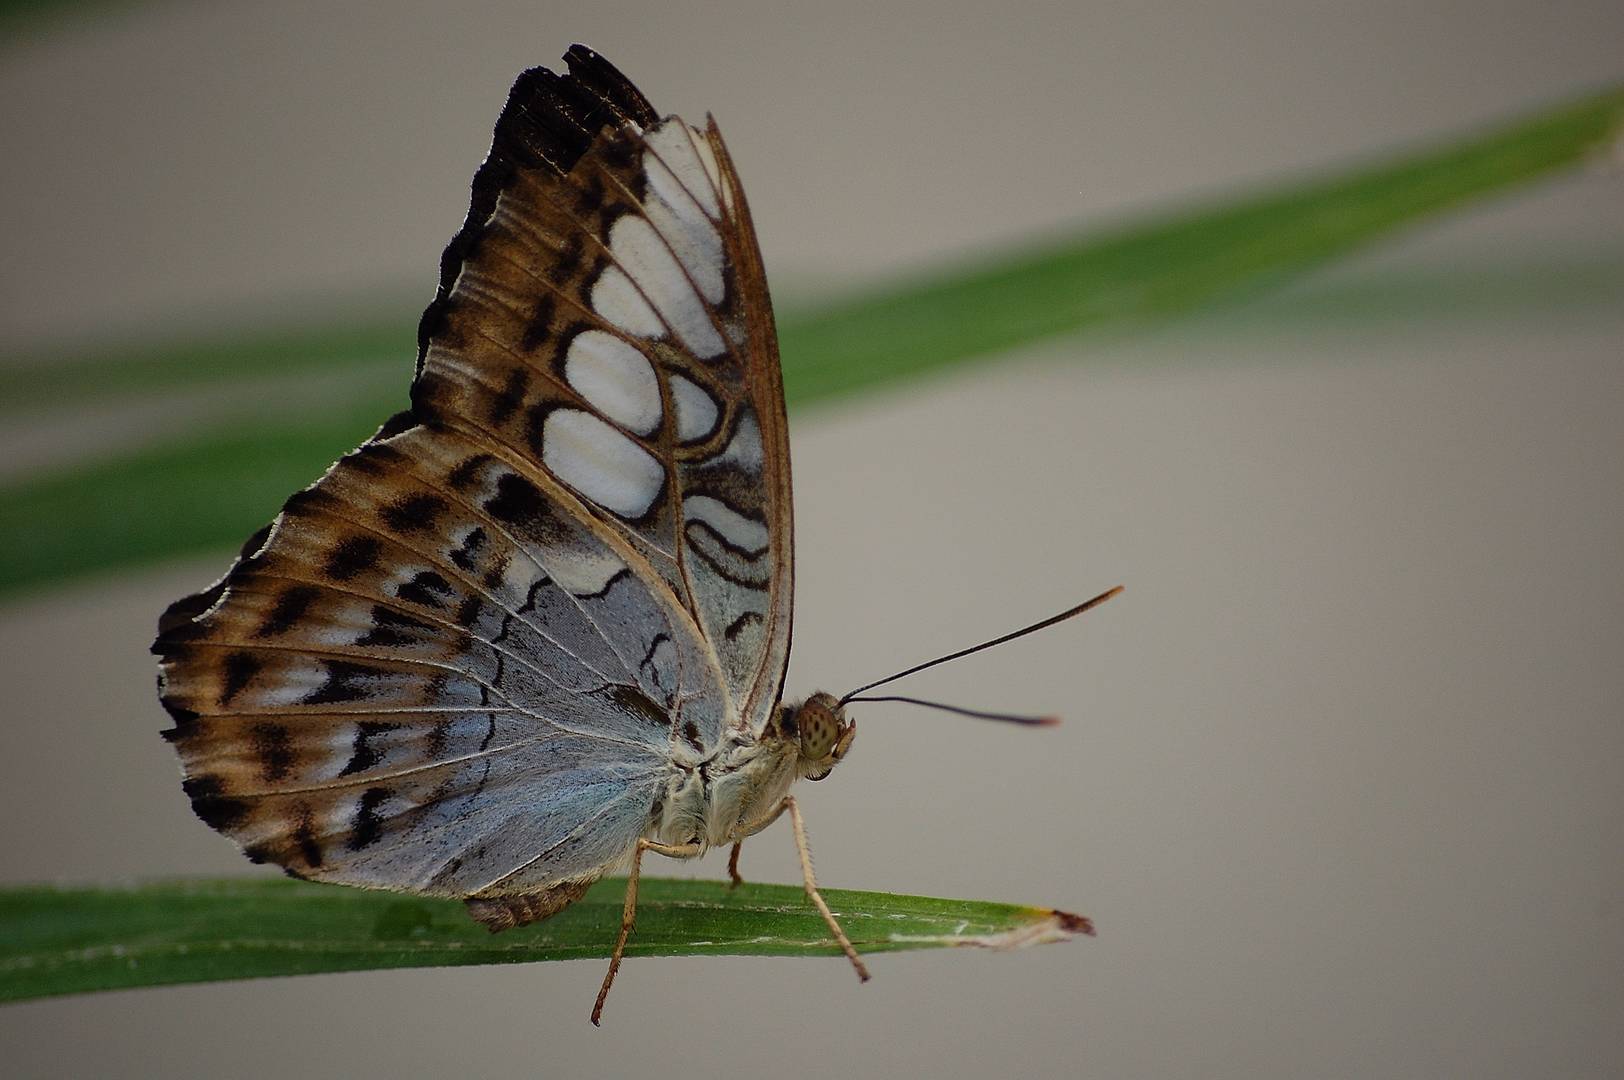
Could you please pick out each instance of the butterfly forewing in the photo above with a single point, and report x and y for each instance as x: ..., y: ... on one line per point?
x: 462, y: 661
x: 612, y: 331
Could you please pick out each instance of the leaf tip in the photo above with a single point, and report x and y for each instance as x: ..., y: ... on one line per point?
x: 1073, y: 924
x: 1051, y: 926
x: 1038, y: 926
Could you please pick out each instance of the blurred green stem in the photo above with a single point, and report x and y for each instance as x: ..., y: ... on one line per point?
x: 212, y: 488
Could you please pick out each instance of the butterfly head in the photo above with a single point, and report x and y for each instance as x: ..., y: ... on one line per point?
x: 822, y: 732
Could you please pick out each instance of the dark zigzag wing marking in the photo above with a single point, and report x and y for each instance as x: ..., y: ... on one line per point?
x: 488, y: 505
x: 657, y: 681
x: 625, y: 628
x: 395, y: 624
x: 552, y: 530
x: 447, y: 597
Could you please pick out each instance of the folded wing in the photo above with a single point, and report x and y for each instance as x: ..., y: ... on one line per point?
x: 464, y: 660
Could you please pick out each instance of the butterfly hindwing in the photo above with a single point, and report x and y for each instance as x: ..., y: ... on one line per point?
x: 421, y: 659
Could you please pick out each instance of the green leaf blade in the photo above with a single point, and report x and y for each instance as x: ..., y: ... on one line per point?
x: 1161, y: 267
x: 56, y: 941
x: 206, y: 492
x: 212, y: 489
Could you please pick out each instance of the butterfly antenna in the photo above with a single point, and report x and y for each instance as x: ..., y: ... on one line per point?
x: 979, y: 714
x: 1011, y: 636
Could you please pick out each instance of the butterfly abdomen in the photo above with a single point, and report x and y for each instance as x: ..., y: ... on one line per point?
x: 499, y: 913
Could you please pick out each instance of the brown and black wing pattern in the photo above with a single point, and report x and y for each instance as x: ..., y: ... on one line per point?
x: 462, y: 662
x: 612, y: 326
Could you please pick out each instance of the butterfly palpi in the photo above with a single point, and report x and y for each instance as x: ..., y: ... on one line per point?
x: 538, y: 624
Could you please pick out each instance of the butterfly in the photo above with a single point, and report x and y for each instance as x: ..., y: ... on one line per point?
x: 537, y: 625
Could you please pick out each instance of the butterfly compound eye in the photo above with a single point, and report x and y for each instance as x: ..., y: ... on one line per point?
x: 818, y: 733
x: 819, y: 726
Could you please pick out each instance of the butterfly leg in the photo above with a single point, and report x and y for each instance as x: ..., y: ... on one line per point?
x: 812, y: 893
x: 628, y: 914
x: 733, y: 865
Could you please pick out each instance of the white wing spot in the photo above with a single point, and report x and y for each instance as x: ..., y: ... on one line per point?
x: 679, y: 167
x: 517, y: 578
x: 345, y: 621
x: 744, y: 449
x: 600, y: 462
x: 696, y: 410
x: 738, y: 530
x: 694, y: 239
x: 615, y: 377
x: 707, y: 158
x: 712, y: 169
x: 301, y: 678
x: 584, y: 572
x: 617, y: 299
x: 643, y: 255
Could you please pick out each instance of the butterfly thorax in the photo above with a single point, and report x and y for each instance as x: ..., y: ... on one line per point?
x: 715, y: 800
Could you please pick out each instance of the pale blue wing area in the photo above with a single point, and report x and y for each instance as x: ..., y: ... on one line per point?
x: 527, y: 817
x: 517, y: 812
x: 433, y: 676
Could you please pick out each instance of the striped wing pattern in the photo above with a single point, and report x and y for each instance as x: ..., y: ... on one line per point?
x: 463, y: 660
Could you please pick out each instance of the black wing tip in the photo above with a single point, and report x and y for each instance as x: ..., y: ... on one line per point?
x: 548, y: 122
x: 571, y: 108
x: 597, y: 74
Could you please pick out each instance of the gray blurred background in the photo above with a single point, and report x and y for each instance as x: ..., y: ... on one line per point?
x: 1342, y: 778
